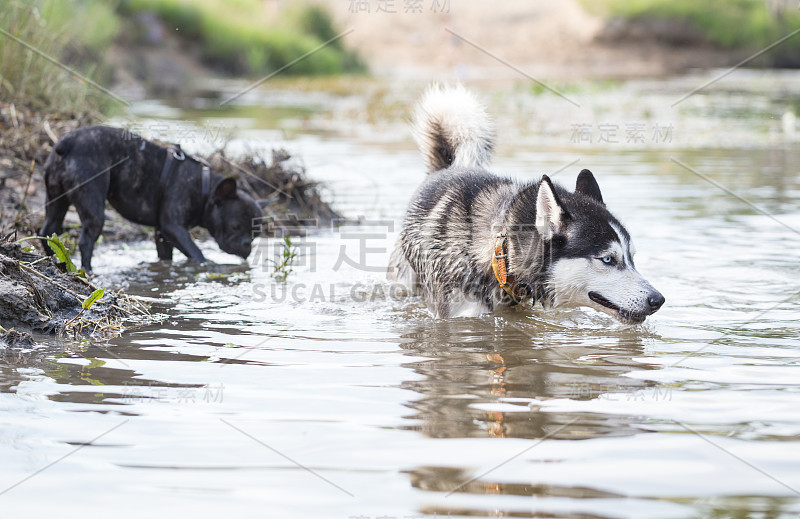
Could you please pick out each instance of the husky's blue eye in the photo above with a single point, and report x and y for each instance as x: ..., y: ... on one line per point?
x: 608, y: 260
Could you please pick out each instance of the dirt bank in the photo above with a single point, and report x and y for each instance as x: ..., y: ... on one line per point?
x: 36, y: 293
x: 543, y: 38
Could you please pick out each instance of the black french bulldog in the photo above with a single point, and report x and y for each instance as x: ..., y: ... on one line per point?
x: 95, y: 163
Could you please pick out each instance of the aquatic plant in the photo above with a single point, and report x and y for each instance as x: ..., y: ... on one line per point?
x: 281, y: 269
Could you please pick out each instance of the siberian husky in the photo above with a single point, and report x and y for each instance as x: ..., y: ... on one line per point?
x: 473, y: 242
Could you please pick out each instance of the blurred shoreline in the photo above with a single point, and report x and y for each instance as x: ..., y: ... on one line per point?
x: 475, y: 40
x: 468, y: 40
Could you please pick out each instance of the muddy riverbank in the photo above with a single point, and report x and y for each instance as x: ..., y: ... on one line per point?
x: 40, y: 294
x: 37, y: 293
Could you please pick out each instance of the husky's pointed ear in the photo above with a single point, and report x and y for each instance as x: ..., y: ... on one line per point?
x: 587, y: 185
x: 550, y: 215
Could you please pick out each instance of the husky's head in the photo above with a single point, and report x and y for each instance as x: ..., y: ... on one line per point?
x: 590, y: 253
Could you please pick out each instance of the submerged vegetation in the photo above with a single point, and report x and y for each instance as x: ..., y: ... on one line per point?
x: 748, y: 25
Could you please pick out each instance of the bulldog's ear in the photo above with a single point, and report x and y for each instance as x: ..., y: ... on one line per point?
x: 587, y: 185
x: 551, y: 218
x: 225, y: 190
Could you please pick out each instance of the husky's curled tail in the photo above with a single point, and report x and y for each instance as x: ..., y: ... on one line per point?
x: 454, y: 134
x: 452, y: 128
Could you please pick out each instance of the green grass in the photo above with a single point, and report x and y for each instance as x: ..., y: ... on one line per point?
x: 244, y: 38
x: 74, y: 31
x: 239, y: 36
x: 734, y: 24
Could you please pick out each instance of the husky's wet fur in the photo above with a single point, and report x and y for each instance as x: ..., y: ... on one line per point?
x: 467, y: 231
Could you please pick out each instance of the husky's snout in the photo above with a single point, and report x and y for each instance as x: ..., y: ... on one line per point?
x: 634, y: 314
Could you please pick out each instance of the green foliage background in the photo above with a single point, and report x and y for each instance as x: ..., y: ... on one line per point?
x: 237, y: 36
x: 735, y: 24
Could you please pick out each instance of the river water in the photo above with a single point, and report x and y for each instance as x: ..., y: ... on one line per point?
x: 334, y: 395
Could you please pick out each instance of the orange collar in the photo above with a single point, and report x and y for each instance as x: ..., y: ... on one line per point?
x: 507, y: 280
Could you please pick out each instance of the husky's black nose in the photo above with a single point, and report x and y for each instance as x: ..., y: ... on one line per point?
x: 655, y: 301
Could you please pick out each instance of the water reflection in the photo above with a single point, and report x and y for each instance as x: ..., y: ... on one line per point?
x: 438, y: 479
x: 487, y: 378
x: 92, y: 373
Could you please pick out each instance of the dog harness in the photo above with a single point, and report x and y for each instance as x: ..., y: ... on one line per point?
x: 206, y: 181
x: 508, y: 282
x: 175, y: 155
